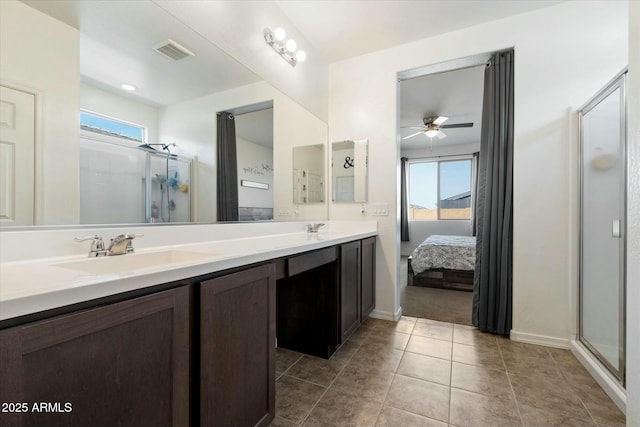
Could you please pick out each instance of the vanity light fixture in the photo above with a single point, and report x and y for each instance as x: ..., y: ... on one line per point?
x: 286, y: 49
x: 128, y: 87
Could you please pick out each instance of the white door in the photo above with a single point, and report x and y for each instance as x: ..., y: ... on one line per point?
x: 17, y: 157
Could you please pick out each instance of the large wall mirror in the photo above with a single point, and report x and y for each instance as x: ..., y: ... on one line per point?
x: 308, y: 174
x: 349, y: 171
x: 149, y: 89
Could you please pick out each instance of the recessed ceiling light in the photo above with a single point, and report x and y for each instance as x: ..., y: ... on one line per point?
x: 128, y: 87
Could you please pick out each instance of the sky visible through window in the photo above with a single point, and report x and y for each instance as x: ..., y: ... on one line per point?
x: 423, y: 177
x: 111, y: 125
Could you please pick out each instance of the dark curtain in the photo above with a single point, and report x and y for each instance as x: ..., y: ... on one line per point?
x: 474, y: 218
x: 227, y: 171
x: 492, y: 287
x: 404, y: 205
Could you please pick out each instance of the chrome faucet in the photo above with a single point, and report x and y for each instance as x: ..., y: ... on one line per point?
x: 122, y: 244
x: 313, y: 228
x: 119, y: 245
x: 97, y: 245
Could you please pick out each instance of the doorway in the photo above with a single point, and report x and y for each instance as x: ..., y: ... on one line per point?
x: 453, y: 90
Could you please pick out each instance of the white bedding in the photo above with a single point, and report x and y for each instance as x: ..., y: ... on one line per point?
x: 450, y: 252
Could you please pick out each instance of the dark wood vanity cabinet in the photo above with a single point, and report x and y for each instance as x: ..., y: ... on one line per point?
x: 237, y: 348
x: 368, y: 277
x: 123, y: 364
x: 357, y: 284
x: 350, y: 275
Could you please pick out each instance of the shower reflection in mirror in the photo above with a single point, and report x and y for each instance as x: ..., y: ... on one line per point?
x: 308, y: 175
x: 125, y: 179
x: 349, y: 171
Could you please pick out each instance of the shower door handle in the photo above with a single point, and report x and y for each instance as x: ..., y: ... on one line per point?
x: 615, y: 228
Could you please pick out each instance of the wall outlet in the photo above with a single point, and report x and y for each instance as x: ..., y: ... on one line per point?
x: 284, y: 211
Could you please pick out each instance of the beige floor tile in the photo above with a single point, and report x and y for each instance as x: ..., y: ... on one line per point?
x: 336, y: 409
x: 603, y: 410
x: 285, y: 359
x: 363, y: 382
x: 429, y: 330
x: 435, y: 322
x: 524, y: 349
x: 404, y: 325
x: 520, y: 364
x: 392, y: 417
x: 315, y: 370
x: 382, y: 360
x: 345, y: 352
x: 472, y: 409
x: 534, y: 417
x: 425, y: 368
x: 489, y: 382
x: 429, y: 347
x: 478, y: 355
x: 472, y: 336
x: 360, y: 335
x: 388, y: 338
x: 295, y: 398
x: 420, y: 397
x: 281, y: 422
x: 552, y: 395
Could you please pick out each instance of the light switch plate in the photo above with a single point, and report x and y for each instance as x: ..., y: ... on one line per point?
x: 379, y: 209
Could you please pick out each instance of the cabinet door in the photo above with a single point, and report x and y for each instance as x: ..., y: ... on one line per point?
x: 349, y: 289
x: 124, y: 364
x: 368, y: 293
x: 237, y: 339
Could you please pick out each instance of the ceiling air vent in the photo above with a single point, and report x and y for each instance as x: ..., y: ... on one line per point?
x: 173, y: 50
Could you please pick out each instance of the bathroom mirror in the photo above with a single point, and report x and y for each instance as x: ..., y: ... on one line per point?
x: 349, y: 171
x: 96, y: 46
x: 308, y: 174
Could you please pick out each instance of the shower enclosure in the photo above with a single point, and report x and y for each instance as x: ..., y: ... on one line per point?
x: 603, y: 175
x: 123, y: 184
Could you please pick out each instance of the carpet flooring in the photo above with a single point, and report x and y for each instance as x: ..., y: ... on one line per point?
x: 435, y: 304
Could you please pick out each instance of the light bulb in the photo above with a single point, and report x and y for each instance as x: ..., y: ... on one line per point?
x: 301, y: 56
x: 431, y: 132
x: 279, y: 34
x: 291, y: 45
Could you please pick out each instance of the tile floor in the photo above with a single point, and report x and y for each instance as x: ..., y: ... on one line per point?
x: 419, y: 372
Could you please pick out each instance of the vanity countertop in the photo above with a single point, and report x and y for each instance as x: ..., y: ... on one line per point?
x: 31, y: 286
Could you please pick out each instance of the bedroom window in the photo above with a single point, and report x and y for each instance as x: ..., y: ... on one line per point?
x: 440, y: 189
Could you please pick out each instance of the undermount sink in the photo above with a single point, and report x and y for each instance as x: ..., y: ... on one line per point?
x: 132, y: 262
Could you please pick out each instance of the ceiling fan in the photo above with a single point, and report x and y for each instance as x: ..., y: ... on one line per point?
x: 433, y: 127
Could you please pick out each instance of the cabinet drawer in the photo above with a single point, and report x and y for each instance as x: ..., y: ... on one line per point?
x: 301, y: 263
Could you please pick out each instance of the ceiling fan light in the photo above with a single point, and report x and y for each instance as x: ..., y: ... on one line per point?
x: 431, y: 132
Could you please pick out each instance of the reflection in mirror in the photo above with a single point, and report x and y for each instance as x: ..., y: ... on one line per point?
x: 100, y: 175
x: 308, y: 174
x: 349, y: 171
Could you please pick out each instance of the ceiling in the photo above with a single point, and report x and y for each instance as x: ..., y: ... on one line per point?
x: 341, y: 29
x: 455, y: 94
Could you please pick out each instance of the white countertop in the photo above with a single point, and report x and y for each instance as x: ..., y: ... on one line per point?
x: 30, y: 286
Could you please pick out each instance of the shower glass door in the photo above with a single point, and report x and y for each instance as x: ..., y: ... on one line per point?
x: 602, y: 233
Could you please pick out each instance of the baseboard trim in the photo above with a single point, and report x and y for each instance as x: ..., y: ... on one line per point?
x: 539, y: 339
x: 386, y: 315
x: 610, y: 385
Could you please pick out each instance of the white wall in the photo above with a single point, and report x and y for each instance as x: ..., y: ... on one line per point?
x: 47, y: 63
x: 192, y: 125
x: 556, y: 70
x: 118, y: 107
x: 237, y: 28
x: 252, y: 159
x: 633, y: 221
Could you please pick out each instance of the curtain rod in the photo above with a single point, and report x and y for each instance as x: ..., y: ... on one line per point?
x: 441, y: 157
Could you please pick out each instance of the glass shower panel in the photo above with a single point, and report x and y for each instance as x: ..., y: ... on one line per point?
x: 169, y: 193
x: 603, y: 173
x: 112, y: 183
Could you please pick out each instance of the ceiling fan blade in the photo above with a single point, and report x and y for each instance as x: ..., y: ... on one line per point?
x: 412, y: 127
x: 413, y: 134
x: 457, y: 125
x: 440, y: 120
x: 441, y: 135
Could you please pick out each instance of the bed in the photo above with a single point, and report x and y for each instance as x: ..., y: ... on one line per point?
x: 443, y: 262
